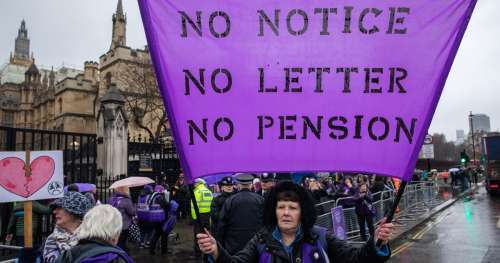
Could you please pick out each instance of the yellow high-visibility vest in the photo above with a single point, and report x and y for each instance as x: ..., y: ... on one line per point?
x: 203, y: 198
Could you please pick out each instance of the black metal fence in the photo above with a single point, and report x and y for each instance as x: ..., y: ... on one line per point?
x: 79, y: 149
x: 157, y: 160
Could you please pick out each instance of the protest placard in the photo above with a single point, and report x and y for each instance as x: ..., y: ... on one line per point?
x: 41, y: 179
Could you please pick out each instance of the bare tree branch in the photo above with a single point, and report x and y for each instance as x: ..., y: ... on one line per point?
x: 143, y: 99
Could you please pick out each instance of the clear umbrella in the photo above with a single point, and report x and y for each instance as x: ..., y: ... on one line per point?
x: 132, y: 182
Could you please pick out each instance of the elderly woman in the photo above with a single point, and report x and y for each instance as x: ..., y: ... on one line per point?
x: 68, y: 212
x: 98, y: 236
x: 289, y: 235
x: 121, y: 200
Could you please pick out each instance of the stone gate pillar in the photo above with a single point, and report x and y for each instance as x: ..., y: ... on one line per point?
x: 112, y: 134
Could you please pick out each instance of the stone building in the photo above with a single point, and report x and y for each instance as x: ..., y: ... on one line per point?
x: 68, y: 99
x: 27, y: 93
x: 132, y: 72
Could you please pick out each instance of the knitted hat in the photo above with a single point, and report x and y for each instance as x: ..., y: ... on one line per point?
x: 74, y: 203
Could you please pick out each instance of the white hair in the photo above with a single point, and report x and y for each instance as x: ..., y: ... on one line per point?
x: 103, y: 222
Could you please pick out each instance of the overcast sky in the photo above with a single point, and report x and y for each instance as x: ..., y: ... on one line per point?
x: 70, y: 32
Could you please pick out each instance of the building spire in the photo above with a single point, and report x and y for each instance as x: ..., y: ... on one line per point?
x: 119, y: 8
x: 22, y: 47
x: 52, y: 78
x: 119, y: 27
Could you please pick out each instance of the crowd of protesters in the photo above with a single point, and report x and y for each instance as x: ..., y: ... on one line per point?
x: 232, y: 211
x: 287, y: 232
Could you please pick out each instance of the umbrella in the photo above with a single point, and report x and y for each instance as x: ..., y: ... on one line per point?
x: 132, y: 182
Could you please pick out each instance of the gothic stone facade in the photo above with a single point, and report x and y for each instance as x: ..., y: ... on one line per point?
x: 69, y: 99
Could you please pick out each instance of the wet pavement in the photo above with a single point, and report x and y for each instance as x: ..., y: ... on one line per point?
x: 468, y: 231
x: 180, y: 249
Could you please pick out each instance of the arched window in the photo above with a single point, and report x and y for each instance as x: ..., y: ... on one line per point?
x: 108, y: 79
x: 60, y: 104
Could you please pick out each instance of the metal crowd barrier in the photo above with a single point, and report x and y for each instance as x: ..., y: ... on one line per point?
x: 418, y: 198
x: 12, y: 251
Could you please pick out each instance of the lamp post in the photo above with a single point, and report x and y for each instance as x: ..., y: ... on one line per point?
x: 472, y: 136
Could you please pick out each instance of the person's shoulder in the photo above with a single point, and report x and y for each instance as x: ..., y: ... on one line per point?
x: 219, y: 199
x: 248, y: 195
x: 232, y: 197
x: 126, y: 200
x: 259, y: 197
x: 264, y: 235
x: 91, y: 249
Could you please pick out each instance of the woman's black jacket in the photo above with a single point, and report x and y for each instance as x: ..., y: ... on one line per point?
x: 338, y: 251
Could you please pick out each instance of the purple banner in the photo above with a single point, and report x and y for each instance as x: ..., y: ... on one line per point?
x: 283, y: 86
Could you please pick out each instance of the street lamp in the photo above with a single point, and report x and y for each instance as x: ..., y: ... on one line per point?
x: 472, y: 136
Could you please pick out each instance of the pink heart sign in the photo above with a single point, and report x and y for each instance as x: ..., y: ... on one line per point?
x: 13, y: 175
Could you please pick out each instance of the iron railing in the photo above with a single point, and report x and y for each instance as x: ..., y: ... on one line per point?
x: 418, y: 197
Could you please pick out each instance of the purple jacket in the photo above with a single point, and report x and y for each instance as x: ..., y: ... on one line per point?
x: 124, y: 204
x: 93, y: 251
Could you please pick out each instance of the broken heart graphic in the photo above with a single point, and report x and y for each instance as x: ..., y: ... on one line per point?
x: 13, y: 175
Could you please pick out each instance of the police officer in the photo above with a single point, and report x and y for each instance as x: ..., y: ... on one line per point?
x: 241, y: 216
x: 203, y: 197
x: 226, y: 185
x: 267, y: 182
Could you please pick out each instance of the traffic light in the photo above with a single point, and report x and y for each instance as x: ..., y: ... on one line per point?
x: 464, y: 158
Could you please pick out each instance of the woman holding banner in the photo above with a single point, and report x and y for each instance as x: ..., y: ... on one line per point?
x: 290, y: 236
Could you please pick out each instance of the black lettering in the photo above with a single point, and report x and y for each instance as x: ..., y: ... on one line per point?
x: 347, y: 78
x: 386, y: 128
x: 229, y: 80
x: 196, y: 27
x: 362, y: 17
x: 347, y: 20
x: 316, y: 130
x: 230, y: 132
x: 357, y: 134
x: 401, y: 125
x: 222, y: 14
x: 261, y: 83
x: 289, y: 80
x: 397, y: 80
x: 264, y: 18
x: 287, y: 127
x: 305, y: 23
x: 200, y: 84
x: 326, y: 14
x: 369, y: 79
x: 319, y: 77
x: 262, y: 125
x: 194, y: 128
x: 341, y: 128
x: 400, y: 20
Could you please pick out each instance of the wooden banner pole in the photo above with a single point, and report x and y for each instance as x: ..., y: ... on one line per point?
x: 28, y: 210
